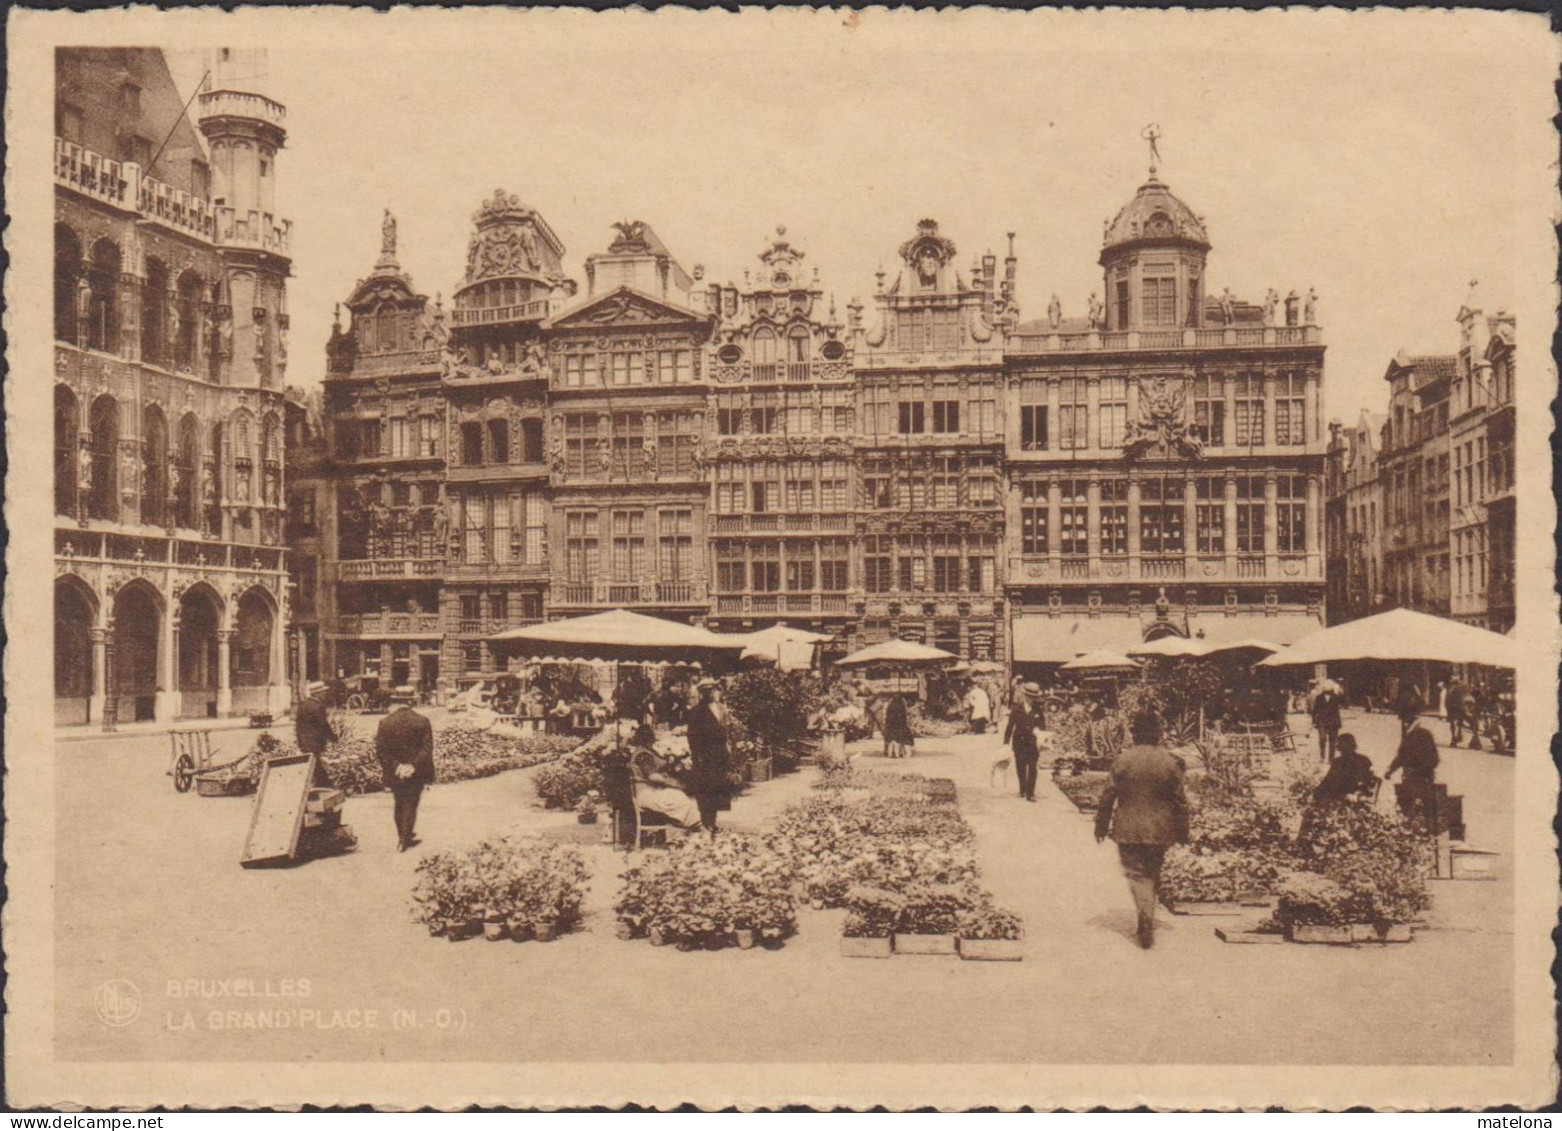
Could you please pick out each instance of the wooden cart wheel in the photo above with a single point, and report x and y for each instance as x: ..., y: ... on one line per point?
x: 184, y: 773
x: 357, y: 701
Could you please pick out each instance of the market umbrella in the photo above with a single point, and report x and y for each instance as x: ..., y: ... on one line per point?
x: 897, y: 652
x: 1401, y: 634
x: 617, y: 635
x: 1172, y: 647
x: 1248, y: 645
x: 1098, y: 660
x: 787, y: 647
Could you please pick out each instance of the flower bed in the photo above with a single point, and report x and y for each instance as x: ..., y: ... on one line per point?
x: 709, y: 892
x: 460, y: 754
x: 520, y: 886
x: 1085, y: 790
x: 1380, y: 859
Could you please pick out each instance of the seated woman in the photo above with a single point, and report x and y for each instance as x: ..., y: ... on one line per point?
x: 1350, y: 775
x: 657, y: 788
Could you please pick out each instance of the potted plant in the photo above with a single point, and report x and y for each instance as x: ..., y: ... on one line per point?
x: 990, y: 934
x: 867, y: 935
x: 931, y: 918
x: 586, y: 814
x: 703, y: 892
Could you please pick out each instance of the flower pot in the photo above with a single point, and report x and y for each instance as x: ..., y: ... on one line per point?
x: 587, y: 817
x: 493, y: 932
x: 924, y: 944
x: 520, y: 932
x: 545, y: 932
x: 992, y: 950
x: 625, y: 932
x: 456, y: 932
x: 659, y: 937
x: 1388, y: 933
x: 745, y: 939
x: 881, y: 947
x: 760, y: 769
x: 1316, y: 933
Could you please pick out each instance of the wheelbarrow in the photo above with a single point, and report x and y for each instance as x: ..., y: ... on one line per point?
x: 190, y: 755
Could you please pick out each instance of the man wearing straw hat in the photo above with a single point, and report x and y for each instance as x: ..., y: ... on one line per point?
x: 1024, y: 720
x: 312, y: 729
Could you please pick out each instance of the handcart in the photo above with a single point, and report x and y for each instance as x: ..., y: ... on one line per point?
x: 190, y: 757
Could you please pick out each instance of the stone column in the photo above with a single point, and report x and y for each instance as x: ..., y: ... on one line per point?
x: 1093, y: 525
x: 224, y: 658
x: 1269, y: 408
x: 1314, y: 519
x: 165, y: 707
x: 1231, y: 519
x: 1054, y: 524
x: 1229, y: 390
x: 1052, y: 415
x: 1271, y: 526
x: 1190, y: 528
x: 1133, y: 528
x: 110, y: 683
x: 97, y: 692
x: 1093, y: 417
x: 279, y: 695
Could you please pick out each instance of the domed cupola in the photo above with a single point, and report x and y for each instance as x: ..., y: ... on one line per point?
x: 1153, y: 255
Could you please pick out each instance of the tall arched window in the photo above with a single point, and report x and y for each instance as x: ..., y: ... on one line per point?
x: 67, y: 277
x: 103, y: 314
x: 67, y: 442
x: 385, y: 331
x: 189, y: 308
x: 186, y: 460
x: 103, y: 502
x: 154, y: 313
x: 154, y: 475
x: 214, y: 486
x: 214, y: 341
x: 797, y: 344
x: 764, y: 345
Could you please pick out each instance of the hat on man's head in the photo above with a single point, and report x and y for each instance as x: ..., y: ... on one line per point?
x: 316, y: 686
x: 706, y: 684
x: 1031, y: 689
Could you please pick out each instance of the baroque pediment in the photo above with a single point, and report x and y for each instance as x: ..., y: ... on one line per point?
x: 624, y: 307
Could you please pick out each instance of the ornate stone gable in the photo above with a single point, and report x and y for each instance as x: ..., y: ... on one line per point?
x: 624, y: 307
x: 927, y: 252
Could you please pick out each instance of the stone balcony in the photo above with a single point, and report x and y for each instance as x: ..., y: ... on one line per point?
x: 612, y: 595
x: 1226, y: 337
x: 1159, y: 569
x: 775, y: 604
x: 388, y: 569
x: 767, y: 524
x: 122, y: 185
x: 243, y: 104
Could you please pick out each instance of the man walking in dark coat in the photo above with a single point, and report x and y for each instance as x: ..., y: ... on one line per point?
x: 1417, y: 757
x: 1145, y: 811
x: 707, y: 734
x: 312, y: 730
x: 404, y: 744
x: 1020, y: 734
x: 1326, y: 720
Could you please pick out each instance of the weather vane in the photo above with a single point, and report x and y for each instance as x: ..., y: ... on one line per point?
x: 1152, y: 134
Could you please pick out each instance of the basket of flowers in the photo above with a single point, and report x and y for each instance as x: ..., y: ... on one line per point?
x: 990, y: 934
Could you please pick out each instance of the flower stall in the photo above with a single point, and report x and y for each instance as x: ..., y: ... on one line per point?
x: 708, y: 894
x: 516, y: 887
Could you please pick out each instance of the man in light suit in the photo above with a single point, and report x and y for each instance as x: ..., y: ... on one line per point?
x: 1145, y: 810
x: 404, y: 744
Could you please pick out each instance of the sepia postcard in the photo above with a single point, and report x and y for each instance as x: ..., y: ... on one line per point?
x: 832, y: 557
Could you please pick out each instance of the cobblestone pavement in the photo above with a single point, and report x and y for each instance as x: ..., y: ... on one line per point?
x: 149, y: 890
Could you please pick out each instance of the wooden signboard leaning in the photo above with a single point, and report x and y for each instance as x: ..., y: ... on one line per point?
x: 278, y: 816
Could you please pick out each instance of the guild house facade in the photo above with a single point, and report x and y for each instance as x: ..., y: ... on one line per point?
x: 737, y: 454
x: 170, y: 328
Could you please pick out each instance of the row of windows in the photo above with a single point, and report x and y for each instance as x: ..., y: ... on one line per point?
x: 526, y: 606
x: 586, y: 369
x: 784, y: 413
x: 631, y: 445
x: 760, y: 566
x: 629, y: 539
x: 765, y: 486
x: 938, y: 563
x: 941, y: 483
x: 1067, y: 426
x: 504, y: 528
x: 1162, y: 515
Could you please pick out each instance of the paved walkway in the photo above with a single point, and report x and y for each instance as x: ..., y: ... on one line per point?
x: 149, y: 890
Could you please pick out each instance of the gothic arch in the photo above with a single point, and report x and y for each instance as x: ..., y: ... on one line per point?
x: 76, y: 615
x: 154, y: 312
x: 67, y: 447
x: 104, y: 425
x: 103, y: 314
x: 67, y: 277
x: 154, y: 474
x: 138, y: 641
x: 201, y: 619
